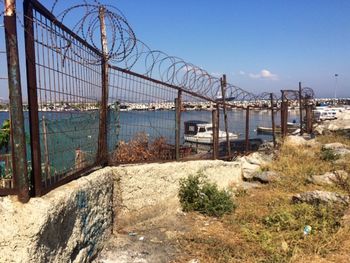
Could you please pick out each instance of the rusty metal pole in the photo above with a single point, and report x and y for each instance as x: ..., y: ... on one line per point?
x: 215, y: 133
x: 18, y: 141
x: 284, y: 115
x: 223, y: 92
x: 309, y: 119
x: 102, y: 140
x: 285, y: 118
x: 178, y: 124
x: 273, y: 120
x: 247, y: 129
x: 32, y: 98
x: 300, y: 110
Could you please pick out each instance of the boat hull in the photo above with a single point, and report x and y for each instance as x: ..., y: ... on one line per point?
x: 268, y: 130
x: 207, y: 139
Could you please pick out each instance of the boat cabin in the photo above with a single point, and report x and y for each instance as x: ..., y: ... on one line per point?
x: 193, y: 127
x: 321, y: 115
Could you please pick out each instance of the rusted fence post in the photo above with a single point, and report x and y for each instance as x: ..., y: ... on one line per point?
x: 178, y: 124
x: 223, y: 92
x: 309, y: 119
x: 284, y: 115
x: 19, y: 158
x: 300, y: 110
x: 247, y: 129
x: 102, y: 142
x: 215, y: 121
x: 32, y: 98
x: 273, y: 120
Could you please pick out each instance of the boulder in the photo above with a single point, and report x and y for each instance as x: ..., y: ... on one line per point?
x: 250, y: 185
x: 266, y: 147
x: 327, y: 178
x: 319, y: 130
x: 334, y: 127
x: 248, y: 170
x: 258, y: 158
x: 320, y: 197
x: 297, y: 140
x: 251, y: 164
x: 338, y: 148
x: 266, y: 177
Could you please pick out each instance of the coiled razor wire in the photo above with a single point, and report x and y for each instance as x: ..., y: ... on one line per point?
x: 127, y: 52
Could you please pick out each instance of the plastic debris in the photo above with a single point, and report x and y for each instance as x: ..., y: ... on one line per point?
x: 307, y: 230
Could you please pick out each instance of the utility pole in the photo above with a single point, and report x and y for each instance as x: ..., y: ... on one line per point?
x: 336, y: 87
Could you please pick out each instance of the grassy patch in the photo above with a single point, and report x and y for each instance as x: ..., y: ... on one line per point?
x: 328, y: 155
x: 297, y: 164
x: 268, y: 227
x: 333, y: 138
x: 197, y: 194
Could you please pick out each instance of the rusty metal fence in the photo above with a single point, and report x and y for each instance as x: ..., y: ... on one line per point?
x: 6, y: 178
x: 85, y: 112
x: 64, y: 92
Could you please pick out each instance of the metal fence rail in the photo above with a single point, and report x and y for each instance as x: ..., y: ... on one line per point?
x: 85, y: 112
x: 147, y: 115
x: 64, y: 91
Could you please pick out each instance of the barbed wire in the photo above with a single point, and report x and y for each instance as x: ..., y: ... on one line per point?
x: 127, y: 52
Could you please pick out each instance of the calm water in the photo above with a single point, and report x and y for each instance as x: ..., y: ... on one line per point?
x: 161, y: 123
x: 68, y: 131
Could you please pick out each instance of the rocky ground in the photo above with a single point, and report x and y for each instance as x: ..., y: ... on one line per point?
x: 305, y: 186
x: 341, y: 124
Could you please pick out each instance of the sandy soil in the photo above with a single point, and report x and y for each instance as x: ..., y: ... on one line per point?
x: 152, y: 241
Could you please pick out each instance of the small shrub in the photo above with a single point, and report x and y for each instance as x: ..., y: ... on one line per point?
x: 5, y: 135
x: 196, y: 194
x: 328, y: 155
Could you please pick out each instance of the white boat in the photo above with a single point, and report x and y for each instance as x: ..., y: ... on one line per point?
x: 202, y: 132
x: 324, y: 114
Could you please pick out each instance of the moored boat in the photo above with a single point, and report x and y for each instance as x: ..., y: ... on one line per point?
x: 201, y: 132
x: 291, y: 128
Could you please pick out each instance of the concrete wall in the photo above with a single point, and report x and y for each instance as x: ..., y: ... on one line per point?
x: 67, y: 225
x: 146, y: 190
x: 71, y: 223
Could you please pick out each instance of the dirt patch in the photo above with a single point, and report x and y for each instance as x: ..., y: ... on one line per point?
x: 153, y: 241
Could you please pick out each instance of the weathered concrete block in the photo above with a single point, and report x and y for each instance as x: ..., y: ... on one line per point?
x: 67, y: 225
x: 145, y: 191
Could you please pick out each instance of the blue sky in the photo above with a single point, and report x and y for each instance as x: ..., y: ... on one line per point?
x: 261, y: 45
x: 297, y: 40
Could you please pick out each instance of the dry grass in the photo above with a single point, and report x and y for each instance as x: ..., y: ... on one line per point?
x: 267, y: 227
x: 140, y: 149
x: 334, y: 138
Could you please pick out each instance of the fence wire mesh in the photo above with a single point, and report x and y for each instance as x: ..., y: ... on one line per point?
x: 144, y: 130
x: 68, y: 98
x: 6, y: 175
x: 171, y: 111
